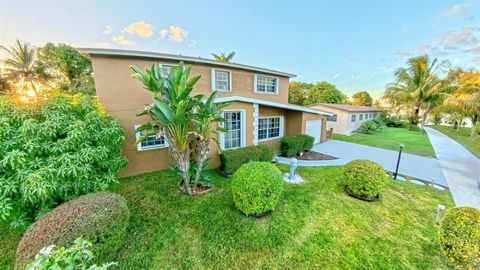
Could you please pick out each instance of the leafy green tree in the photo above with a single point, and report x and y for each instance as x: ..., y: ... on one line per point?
x: 465, y: 95
x: 324, y: 92
x: 22, y: 70
x: 417, y: 88
x: 181, y: 118
x: 64, y: 148
x: 297, y: 92
x: 73, y: 71
x: 362, y: 98
x: 222, y: 57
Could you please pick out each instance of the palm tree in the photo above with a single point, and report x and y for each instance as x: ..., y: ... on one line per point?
x: 222, y: 57
x: 417, y: 87
x: 21, y: 69
x: 465, y: 96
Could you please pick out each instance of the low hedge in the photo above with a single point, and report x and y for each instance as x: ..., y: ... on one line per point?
x: 257, y: 187
x: 294, y: 145
x: 364, y: 178
x: 232, y: 160
x: 101, y: 218
x: 460, y: 237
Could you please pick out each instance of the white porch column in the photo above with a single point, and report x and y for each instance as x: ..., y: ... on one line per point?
x: 255, y: 123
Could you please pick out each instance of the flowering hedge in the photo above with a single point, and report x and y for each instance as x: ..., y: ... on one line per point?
x: 54, y: 152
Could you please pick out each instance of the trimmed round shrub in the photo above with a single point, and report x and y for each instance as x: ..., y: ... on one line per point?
x: 101, y: 218
x: 257, y: 187
x: 364, y: 178
x: 460, y: 237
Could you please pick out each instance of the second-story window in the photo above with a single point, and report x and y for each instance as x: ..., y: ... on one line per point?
x: 166, y: 70
x: 266, y: 84
x: 221, y: 80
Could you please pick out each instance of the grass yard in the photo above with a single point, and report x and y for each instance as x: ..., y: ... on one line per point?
x: 462, y: 136
x: 415, y: 142
x: 315, y: 226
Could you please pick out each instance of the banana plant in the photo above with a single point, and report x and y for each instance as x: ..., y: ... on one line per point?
x: 172, y: 113
x: 207, y: 116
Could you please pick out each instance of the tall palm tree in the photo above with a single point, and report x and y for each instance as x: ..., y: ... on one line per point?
x: 21, y: 69
x: 222, y: 57
x: 418, y: 87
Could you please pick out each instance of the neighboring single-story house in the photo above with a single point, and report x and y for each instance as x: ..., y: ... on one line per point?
x: 259, y: 114
x: 346, y: 118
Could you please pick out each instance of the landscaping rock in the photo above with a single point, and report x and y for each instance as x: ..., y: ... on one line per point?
x: 439, y: 187
x: 399, y: 178
x: 417, y: 182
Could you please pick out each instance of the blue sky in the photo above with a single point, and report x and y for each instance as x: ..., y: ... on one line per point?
x: 355, y: 45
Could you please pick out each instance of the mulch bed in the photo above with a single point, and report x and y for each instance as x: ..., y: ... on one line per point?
x: 312, y: 155
x: 366, y: 199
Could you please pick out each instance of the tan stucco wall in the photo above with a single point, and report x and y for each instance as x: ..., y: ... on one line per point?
x: 124, y: 96
x: 157, y: 159
x: 117, y: 90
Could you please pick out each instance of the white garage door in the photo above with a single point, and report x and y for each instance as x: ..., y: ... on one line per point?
x: 314, y: 129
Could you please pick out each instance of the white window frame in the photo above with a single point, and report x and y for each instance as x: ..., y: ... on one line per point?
x: 360, y: 117
x: 221, y: 135
x: 163, y: 65
x: 353, y: 118
x: 229, y: 80
x: 332, y: 116
x: 139, y: 145
x: 277, y: 85
x: 280, y: 133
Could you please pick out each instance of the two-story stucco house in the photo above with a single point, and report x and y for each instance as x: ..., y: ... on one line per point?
x: 345, y: 119
x: 259, y: 114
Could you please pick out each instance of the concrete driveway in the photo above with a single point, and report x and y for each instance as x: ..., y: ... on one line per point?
x: 460, y: 167
x: 412, y: 165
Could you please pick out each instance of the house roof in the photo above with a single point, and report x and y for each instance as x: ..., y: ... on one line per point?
x: 175, y: 57
x: 272, y: 104
x: 349, y: 108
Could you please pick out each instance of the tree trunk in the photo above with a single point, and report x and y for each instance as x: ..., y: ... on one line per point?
x: 182, y: 162
x: 473, y: 131
x: 424, y: 117
x: 203, y: 147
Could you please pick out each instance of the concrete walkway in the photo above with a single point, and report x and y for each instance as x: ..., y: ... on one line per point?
x: 460, y: 167
x: 412, y: 165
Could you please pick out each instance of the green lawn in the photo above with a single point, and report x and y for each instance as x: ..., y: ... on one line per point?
x: 415, y: 142
x: 315, y: 226
x: 462, y: 136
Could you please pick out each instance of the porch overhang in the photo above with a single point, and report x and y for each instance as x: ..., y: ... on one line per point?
x: 272, y: 104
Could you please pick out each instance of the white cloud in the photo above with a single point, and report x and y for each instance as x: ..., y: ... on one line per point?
x: 102, y: 44
x: 403, y: 53
x: 475, y: 50
x: 455, y: 39
x: 337, y: 75
x: 140, y: 28
x: 120, y: 39
x: 108, y: 30
x: 174, y: 33
x: 423, y: 47
x: 457, y: 9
